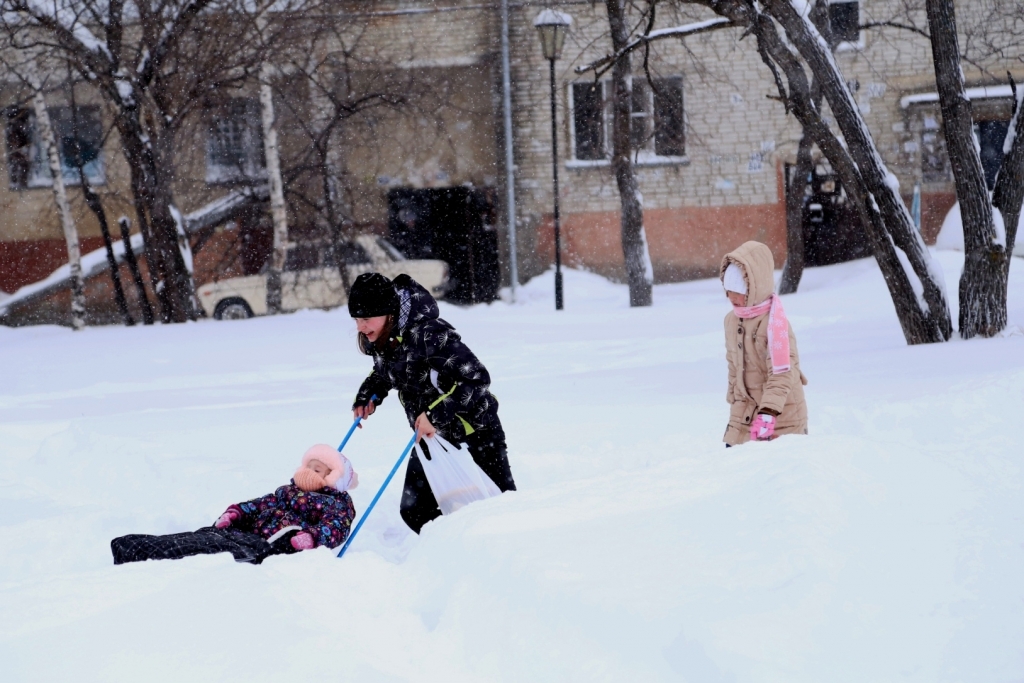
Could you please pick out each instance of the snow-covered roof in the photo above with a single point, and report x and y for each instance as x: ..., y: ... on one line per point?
x: 222, y: 208
x: 93, y: 263
x: 979, y: 93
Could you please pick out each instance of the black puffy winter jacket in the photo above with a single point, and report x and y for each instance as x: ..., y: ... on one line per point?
x: 433, y: 371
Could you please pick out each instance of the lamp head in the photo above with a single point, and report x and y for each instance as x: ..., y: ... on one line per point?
x: 552, y: 26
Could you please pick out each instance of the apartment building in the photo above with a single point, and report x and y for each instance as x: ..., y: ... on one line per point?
x: 712, y: 147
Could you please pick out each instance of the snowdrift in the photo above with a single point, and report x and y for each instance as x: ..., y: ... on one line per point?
x: 951, y: 234
x: 887, y: 545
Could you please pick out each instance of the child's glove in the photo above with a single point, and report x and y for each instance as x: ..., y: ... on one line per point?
x: 227, y: 519
x: 302, y: 541
x: 762, y: 428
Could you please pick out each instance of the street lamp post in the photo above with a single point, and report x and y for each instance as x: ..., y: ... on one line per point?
x: 552, y: 26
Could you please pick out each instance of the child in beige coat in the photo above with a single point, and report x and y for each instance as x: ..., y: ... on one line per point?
x: 766, y: 387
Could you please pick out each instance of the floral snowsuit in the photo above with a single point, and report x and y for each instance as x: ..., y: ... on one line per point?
x: 326, y: 514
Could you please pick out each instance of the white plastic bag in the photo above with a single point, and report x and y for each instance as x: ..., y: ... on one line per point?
x: 453, y: 476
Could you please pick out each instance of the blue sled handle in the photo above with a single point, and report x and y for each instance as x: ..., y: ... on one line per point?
x: 369, y: 509
x: 355, y: 423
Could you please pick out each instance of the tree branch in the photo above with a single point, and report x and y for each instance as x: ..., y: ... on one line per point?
x: 170, y: 37
x: 896, y: 24
x: 602, y: 65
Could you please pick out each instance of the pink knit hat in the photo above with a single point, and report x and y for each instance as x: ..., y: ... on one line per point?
x: 341, y: 476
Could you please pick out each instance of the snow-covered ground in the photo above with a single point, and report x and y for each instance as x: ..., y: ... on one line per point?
x: 886, y: 546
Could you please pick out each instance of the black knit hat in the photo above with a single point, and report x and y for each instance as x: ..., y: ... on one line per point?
x: 372, y: 295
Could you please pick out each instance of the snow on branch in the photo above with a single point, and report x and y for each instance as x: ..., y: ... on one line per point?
x: 660, y: 34
x: 66, y: 19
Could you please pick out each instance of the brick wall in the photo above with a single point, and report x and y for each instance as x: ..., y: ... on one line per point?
x: 727, y: 190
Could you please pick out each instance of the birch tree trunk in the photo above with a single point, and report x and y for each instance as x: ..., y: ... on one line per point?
x: 983, y: 282
x: 92, y: 200
x: 61, y: 198
x: 278, y: 212
x: 634, y: 240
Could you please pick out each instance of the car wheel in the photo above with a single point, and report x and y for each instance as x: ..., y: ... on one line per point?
x: 232, y: 309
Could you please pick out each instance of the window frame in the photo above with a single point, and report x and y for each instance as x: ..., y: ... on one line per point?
x: 254, y: 166
x: 850, y: 45
x: 605, y: 138
x: 38, y: 174
x: 358, y: 256
x: 645, y: 156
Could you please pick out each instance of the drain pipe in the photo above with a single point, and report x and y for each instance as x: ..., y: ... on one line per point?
x: 510, y: 181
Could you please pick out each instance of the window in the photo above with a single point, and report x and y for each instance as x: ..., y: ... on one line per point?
x: 639, y: 115
x: 350, y: 253
x: 588, y: 120
x: 656, y: 130
x: 22, y: 148
x: 669, y: 131
x: 935, y: 166
x: 302, y: 257
x: 234, y: 149
x: 844, y: 19
x: 390, y: 249
x: 79, y: 140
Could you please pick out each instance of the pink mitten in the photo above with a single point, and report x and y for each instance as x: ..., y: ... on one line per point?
x: 227, y: 519
x: 762, y: 428
x: 302, y: 541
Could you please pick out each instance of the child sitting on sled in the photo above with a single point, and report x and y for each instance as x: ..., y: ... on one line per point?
x: 314, y: 510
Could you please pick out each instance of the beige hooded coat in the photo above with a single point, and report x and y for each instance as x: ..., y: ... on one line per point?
x: 752, y: 386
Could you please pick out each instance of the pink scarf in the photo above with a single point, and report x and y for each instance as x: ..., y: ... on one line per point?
x: 778, y: 329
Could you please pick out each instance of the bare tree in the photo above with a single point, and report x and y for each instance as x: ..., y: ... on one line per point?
x: 151, y: 61
x: 92, y: 200
x: 31, y: 72
x: 984, y: 39
x: 1008, y: 195
x: 634, y: 241
x: 124, y: 224
x: 988, y: 238
x: 928, y: 320
x: 871, y: 186
x: 330, y: 83
x: 278, y: 210
x: 793, y: 270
